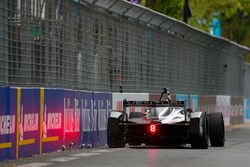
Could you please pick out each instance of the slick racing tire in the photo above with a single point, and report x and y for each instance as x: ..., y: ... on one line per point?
x: 115, y: 137
x: 199, y: 127
x: 216, y: 129
x: 135, y: 115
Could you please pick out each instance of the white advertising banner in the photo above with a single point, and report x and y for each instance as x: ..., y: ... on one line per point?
x: 223, y: 105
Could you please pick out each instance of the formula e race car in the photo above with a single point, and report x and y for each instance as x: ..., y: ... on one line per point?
x: 163, y: 123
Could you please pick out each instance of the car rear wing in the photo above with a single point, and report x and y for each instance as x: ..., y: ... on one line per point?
x: 153, y: 103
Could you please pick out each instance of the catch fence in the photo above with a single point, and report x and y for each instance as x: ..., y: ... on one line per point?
x: 109, y: 45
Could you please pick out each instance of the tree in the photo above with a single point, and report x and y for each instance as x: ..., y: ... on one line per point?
x: 172, y: 8
x: 234, y: 15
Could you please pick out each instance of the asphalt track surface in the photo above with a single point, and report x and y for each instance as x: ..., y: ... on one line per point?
x: 236, y: 153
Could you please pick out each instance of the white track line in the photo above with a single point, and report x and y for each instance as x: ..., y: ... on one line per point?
x: 35, y: 164
x: 108, y: 150
x: 103, y: 151
x: 84, y: 154
x: 63, y: 159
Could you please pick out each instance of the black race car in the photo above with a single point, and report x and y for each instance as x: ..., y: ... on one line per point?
x: 164, y: 122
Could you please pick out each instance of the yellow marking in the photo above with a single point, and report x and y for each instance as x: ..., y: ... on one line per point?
x: 26, y: 142
x: 18, y: 119
x: 50, y: 139
x: 5, y: 145
x: 41, y: 117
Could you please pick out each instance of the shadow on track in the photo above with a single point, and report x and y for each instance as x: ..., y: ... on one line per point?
x: 160, y: 147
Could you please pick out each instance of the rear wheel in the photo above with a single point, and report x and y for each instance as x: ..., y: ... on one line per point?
x: 199, y: 129
x: 115, y: 134
x: 216, y: 129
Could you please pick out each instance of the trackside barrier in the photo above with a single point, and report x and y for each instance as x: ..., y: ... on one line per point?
x: 183, y: 97
x: 51, y: 120
x: 231, y: 107
x: 7, y: 123
x: 191, y: 100
x: 103, y: 105
x: 223, y: 105
x: 216, y: 104
x: 237, y: 110
x: 38, y: 120
x: 27, y: 119
x: 247, y: 110
x: 207, y: 103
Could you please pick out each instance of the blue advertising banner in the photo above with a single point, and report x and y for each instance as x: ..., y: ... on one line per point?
x: 7, y: 126
x: 28, y: 109
x: 93, y: 122
x: 182, y: 97
x: 12, y: 107
x: 247, y: 109
x: 86, y: 108
x: 104, y: 106
x: 193, y: 102
x: 86, y: 118
x: 95, y: 108
x: 52, y: 120
x: 48, y: 118
x: 71, y: 115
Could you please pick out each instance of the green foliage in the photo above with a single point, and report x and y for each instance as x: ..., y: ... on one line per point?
x: 234, y: 15
x: 247, y: 58
x: 169, y: 7
x: 203, y: 9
